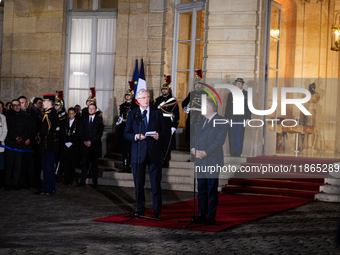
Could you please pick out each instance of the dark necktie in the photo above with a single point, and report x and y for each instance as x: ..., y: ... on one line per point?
x: 91, y: 126
x: 145, y: 120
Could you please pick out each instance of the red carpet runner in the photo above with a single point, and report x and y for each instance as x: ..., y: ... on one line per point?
x: 232, y: 210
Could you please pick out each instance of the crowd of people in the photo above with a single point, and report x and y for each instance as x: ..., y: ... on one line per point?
x: 40, y: 142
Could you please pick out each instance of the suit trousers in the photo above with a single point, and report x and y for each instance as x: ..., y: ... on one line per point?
x: 155, y: 175
x: 69, y: 167
x: 207, y: 190
x: 87, y: 159
x: 13, y: 167
x: 47, y: 163
x: 236, y: 138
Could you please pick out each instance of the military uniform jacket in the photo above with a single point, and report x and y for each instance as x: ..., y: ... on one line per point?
x: 125, y: 108
x: 168, y: 108
x: 194, y: 98
x: 48, y: 131
x: 229, y: 110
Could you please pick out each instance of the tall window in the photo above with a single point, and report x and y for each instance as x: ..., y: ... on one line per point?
x: 91, y: 56
x: 188, y: 46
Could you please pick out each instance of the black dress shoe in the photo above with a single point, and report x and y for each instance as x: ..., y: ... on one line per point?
x: 210, y: 221
x: 95, y: 186
x: 137, y: 213
x: 157, y: 216
x: 201, y: 219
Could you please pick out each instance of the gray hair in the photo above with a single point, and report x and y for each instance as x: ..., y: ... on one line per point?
x: 142, y: 91
x: 211, y: 102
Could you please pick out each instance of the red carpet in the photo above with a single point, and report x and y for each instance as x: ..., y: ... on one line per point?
x: 232, y: 210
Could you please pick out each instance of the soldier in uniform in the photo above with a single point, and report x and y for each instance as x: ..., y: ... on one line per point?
x: 169, y: 106
x: 192, y: 105
x: 62, y: 116
x: 91, y: 100
x: 48, y: 141
x: 236, y: 134
x: 124, y: 109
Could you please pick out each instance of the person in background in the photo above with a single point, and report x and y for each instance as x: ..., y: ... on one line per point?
x: 62, y: 116
x: 18, y: 128
x: 90, y: 131
x: 8, y: 106
x: 124, y: 146
x: 69, y: 134
x: 27, y: 167
x: 37, y: 116
x: 48, y: 144
x: 236, y: 135
x: 3, y: 134
x: 170, y: 110
x: 78, y: 111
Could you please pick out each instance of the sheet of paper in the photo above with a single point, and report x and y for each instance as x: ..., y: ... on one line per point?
x: 150, y: 133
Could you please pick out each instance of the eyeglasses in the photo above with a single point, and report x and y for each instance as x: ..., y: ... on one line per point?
x: 14, y: 105
x: 143, y: 98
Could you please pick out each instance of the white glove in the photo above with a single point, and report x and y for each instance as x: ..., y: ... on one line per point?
x: 173, y: 130
x: 68, y: 145
x: 186, y: 109
x: 247, y: 121
x: 120, y: 120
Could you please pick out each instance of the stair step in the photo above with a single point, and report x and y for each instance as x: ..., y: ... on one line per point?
x: 130, y: 183
x: 275, y: 184
x: 288, y: 160
x: 231, y: 189
x: 331, y: 189
x: 328, y: 197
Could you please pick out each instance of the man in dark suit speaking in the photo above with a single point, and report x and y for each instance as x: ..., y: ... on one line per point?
x: 209, y: 153
x: 150, y: 153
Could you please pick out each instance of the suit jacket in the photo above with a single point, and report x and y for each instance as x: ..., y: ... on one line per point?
x: 69, y: 134
x: 229, y: 110
x: 148, y: 145
x: 210, y: 139
x: 17, y: 126
x: 96, y: 139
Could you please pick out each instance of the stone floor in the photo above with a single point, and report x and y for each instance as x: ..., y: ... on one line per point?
x: 61, y: 224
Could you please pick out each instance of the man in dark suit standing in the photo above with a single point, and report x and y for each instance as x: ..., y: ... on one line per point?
x: 209, y: 152
x: 236, y: 135
x: 150, y: 150
x: 90, y: 131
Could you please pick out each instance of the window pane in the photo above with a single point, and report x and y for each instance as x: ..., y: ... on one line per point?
x: 183, y: 58
x: 81, y: 35
x: 105, y: 35
x: 185, y: 24
x: 83, y: 4
x: 199, y: 54
x: 79, y: 71
x: 77, y: 97
x: 107, y: 4
x: 104, y: 101
x: 274, y: 47
x: 182, y: 84
x: 104, y: 71
x: 200, y: 24
x: 185, y: 1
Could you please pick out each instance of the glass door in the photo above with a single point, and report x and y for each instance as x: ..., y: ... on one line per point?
x: 271, y: 73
